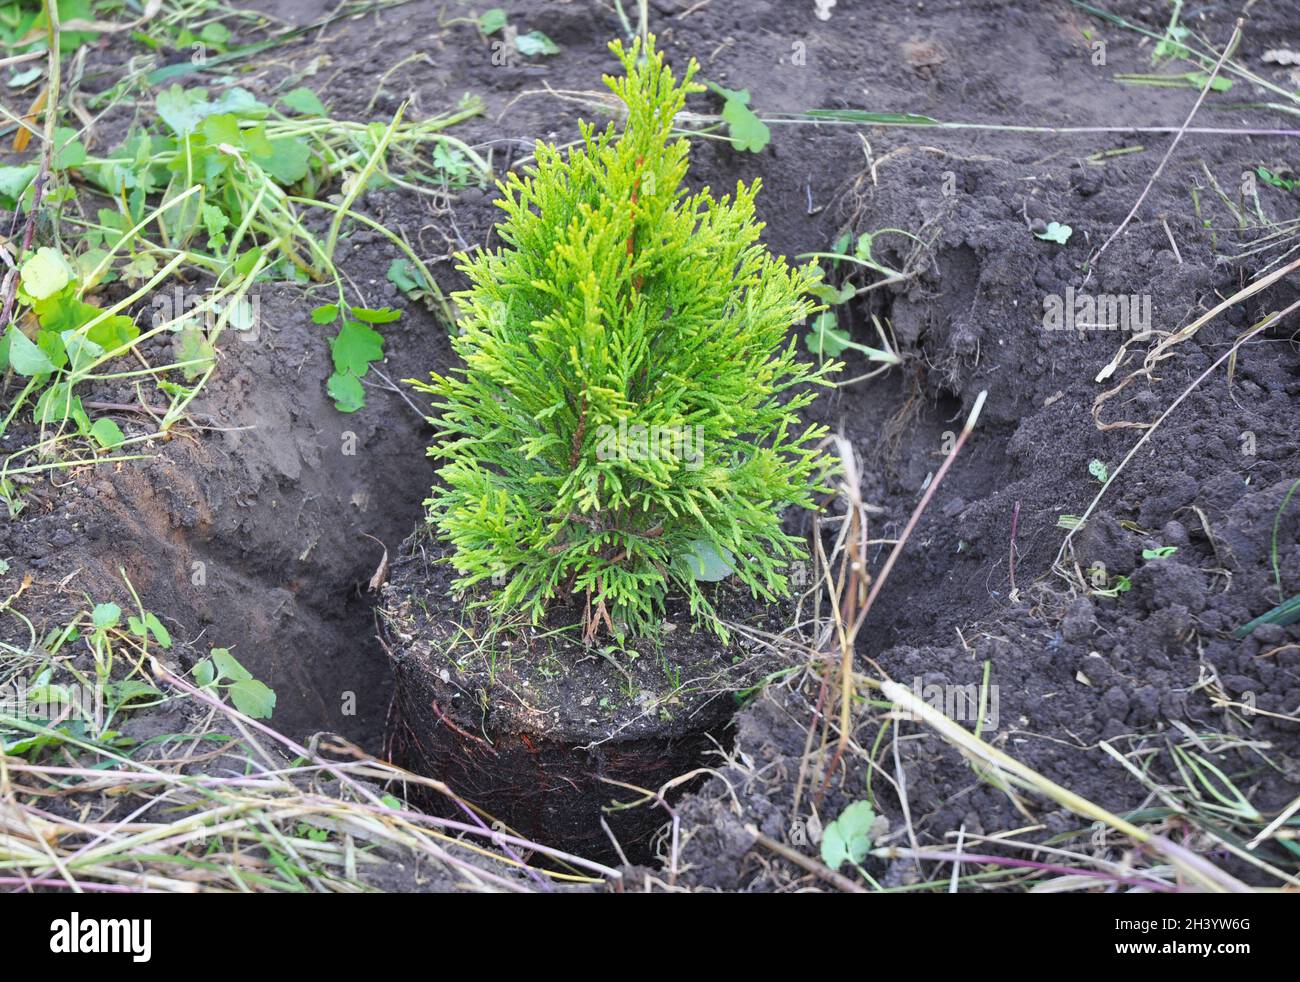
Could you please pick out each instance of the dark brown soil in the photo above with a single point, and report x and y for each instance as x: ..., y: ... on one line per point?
x: 549, y: 736
x: 278, y: 512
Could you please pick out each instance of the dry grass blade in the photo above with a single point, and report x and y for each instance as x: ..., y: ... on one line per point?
x: 847, y: 610
x: 1195, y: 868
x: 1161, y: 351
x: 1227, y: 356
x: 1205, y: 90
x: 243, y: 818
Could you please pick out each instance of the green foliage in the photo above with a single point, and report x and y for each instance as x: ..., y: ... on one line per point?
x: 826, y: 338
x: 746, y: 130
x: 60, y: 339
x: 1285, y: 613
x: 304, y: 102
x: 72, y: 704
x: 221, y: 144
x: 848, y: 838
x: 530, y: 44
x: 629, y: 398
x: 353, y: 350
x: 1055, y: 232
x: 1276, y: 180
x: 149, y: 625
x: 15, y: 180
x: 23, y: 25
x: 221, y: 670
x: 411, y: 281
x: 1187, y: 80
x: 213, y: 35
x: 1120, y: 584
x: 491, y: 21
x: 535, y: 43
x: 257, y: 167
x: 233, y: 175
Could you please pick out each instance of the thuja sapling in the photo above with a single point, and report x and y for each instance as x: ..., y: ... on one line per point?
x: 629, y: 400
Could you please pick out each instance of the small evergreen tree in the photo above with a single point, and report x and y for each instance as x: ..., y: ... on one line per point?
x: 624, y: 416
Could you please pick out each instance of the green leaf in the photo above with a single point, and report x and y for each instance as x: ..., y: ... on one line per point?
x: 1268, y: 177
x: 247, y: 260
x: 355, y: 347
x: 159, y: 632
x: 304, y: 102
x: 1284, y: 614
x: 69, y: 11
x: 824, y: 338
x: 325, y: 313
x: 183, y: 110
x: 45, y: 273
x: 747, y: 131
x: 405, y: 276
x: 1198, y: 80
x: 491, y: 21
x: 105, y: 616
x: 253, y: 698
x: 348, y: 393
x: 122, y: 694
x: 215, y: 222
x: 848, y: 838
x: 62, y: 313
x: 57, y: 404
x: 81, y: 352
x: 107, y: 433
x: 707, y: 564
x: 70, y: 151
x: 113, y: 332
x: 216, y: 33
x: 14, y: 182
x: 287, y: 162
x: 53, y: 347
x: 204, y: 675
x: 20, y: 79
x: 25, y: 358
x: 235, y: 102
x: 228, y: 666
x: 1163, y: 552
x: 192, y: 347
x: 179, y: 109
x: 1055, y: 232
x: 863, y: 249
x: 149, y: 625
x: 377, y: 315
x: 1121, y: 584
x: 535, y: 43
x: 831, y: 295
x: 1098, y: 470
x: 1171, y: 46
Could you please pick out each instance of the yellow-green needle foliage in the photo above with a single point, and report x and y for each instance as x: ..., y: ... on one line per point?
x: 624, y: 424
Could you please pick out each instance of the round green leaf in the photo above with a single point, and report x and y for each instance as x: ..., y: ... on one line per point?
x: 848, y: 838
x: 707, y: 563
x: 45, y: 273
x: 107, y: 433
x: 26, y: 358
x: 253, y: 698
